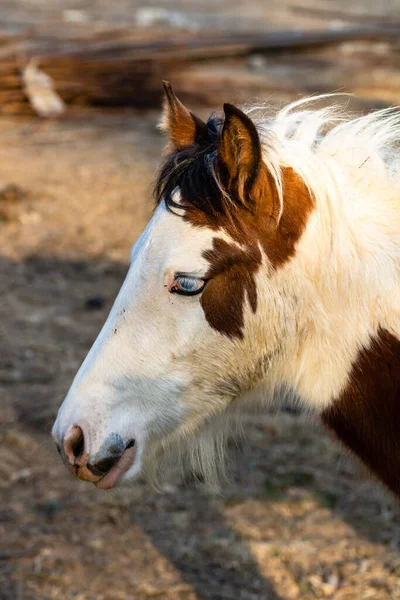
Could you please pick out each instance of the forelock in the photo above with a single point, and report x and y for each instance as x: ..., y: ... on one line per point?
x: 194, y: 171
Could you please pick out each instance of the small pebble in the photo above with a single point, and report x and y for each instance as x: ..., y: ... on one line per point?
x: 94, y: 303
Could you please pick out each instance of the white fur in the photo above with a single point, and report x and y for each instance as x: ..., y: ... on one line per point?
x: 159, y: 373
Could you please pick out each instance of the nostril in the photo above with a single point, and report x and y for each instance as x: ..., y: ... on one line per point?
x: 78, y: 447
x: 103, y: 466
x: 74, y: 444
x: 130, y: 444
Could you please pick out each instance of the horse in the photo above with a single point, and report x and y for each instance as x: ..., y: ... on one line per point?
x: 269, y: 269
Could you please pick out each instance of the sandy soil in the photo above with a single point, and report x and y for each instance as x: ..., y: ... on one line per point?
x: 299, y: 519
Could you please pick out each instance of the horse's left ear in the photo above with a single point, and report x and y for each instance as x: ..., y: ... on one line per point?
x: 240, y: 154
x: 183, y: 126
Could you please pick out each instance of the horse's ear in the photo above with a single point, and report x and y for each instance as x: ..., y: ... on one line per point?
x: 240, y: 154
x: 183, y: 127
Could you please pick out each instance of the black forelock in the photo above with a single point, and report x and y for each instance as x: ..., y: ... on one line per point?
x: 192, y: 169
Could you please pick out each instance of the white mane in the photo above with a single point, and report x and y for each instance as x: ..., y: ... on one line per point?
x: 326, y: 146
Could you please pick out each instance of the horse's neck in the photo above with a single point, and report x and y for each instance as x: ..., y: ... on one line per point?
x: 347, y: 366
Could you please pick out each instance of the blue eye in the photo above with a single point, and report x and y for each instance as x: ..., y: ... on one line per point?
x: 187, y: 285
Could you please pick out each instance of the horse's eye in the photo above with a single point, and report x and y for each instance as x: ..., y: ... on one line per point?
x: 187, y: 285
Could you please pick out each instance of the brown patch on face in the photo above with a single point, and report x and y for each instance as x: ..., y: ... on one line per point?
x: 366, y: 417
x: 232, y: 269
x: 232, y: 278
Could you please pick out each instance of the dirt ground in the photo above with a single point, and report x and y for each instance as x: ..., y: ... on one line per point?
x: 299, y: 519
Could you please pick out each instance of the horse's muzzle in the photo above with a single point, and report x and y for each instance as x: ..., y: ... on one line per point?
x: 104, y: 468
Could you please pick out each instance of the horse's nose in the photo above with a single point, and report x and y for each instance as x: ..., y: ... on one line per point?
x: 98, y: 467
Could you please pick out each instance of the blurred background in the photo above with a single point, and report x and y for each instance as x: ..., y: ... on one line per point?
x: 80, y: 92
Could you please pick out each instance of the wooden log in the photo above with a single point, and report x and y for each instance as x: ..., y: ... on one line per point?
x: 126, y: 69
x: 350, y: 17
x: 199, y: 46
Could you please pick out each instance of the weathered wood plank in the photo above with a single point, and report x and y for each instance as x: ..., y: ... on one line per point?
x: 126, y: 70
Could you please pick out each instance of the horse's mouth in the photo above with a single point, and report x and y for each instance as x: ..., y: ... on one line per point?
x: 113, y: 476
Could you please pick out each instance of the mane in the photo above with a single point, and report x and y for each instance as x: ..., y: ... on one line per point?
x: 326, y: 146
x: 322, y: 145
x: 193, y: 170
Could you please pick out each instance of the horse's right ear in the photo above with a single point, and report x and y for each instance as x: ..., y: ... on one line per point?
x: 241, y: 155
x: 183, y: 127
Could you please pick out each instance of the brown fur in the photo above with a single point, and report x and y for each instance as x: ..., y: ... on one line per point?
x: 366, y: 417
x: 183, y: 126
x: 232, y: 278
x: 240, y: 154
